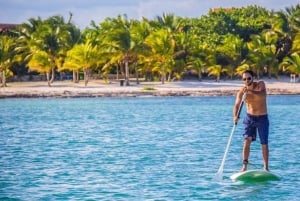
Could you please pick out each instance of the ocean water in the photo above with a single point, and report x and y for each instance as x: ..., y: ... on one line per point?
x: 167, y: 148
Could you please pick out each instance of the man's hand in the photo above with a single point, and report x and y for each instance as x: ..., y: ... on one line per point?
x: 235, y: 119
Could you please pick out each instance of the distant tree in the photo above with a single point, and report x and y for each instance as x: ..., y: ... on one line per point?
x: 119, y: 42
x: 216, y: 71
x: 52, y: 36
x: 231, y: 50
x: 200, y: 58
x: 296, y: 43
x: 83, y: 57
x: 139, y: 31
x: 7, y: 54
x: 162, y: 49
x: 292, y: 64
x: 262, y: 53
x: 40, y: 62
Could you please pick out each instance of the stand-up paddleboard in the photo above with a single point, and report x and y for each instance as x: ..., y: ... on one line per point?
x: 254, y: 176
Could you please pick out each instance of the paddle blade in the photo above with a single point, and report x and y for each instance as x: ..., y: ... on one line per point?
x: 219, y: 176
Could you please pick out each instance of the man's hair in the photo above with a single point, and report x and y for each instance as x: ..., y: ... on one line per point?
x: 250, y: 72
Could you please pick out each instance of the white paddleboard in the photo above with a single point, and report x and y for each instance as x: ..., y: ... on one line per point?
x: 254, y: 176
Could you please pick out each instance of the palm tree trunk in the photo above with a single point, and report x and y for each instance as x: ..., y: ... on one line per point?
x: 257, y: 74
x: 136, y: 73
x: 74, y: 76
x: 169, y: 77
x: 126, y: 72
x: 52, y: 75
x: 199, y: 75
x: 117, y: 72
x: 163, y: 74
x: 269, y: 72
x: 3, y: 79
x: 48, y: 79
x: 86, y: 77
x: 77, y: 77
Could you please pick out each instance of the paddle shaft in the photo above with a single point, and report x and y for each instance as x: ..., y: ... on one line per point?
x: 241, y: 106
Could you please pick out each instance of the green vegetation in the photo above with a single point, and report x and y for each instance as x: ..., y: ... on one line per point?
x: 220, y: 44
x: 149, y: 88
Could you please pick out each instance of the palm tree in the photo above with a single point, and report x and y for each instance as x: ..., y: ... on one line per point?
x: 162, y: 48
x: 139, y: 31
x: 280, y: 25
x: 169, y: 22
x: 215, y: 70
x: 199, y: 58
x: 263, y: 52
x: 26, y: 41
x: 196, y: 64
x: 292, y: 14
x: 183, y: 49
x: 41, y: 63
x: 7, y: 46
x: 72, y: 38
x: 292, y: 64
x: 231, y: 51
x: 241, y: 68
x: 53, y: 40
x: 296, y: 43
x: 51, y: 36
x: 118, y: 41
x: 83, y: 56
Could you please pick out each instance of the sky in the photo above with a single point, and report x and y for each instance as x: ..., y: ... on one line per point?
x: 84, y: 11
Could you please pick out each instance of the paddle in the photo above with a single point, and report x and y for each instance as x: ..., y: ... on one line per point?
x: 219, y: 175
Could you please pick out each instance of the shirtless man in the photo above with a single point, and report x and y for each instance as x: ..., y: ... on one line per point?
x: 256, y: 118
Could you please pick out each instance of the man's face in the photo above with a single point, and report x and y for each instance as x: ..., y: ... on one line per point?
x: 247, y: 79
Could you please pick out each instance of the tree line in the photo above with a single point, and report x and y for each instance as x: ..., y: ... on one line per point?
x: 223, y: 43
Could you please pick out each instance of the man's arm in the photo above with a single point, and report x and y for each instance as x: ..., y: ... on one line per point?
x: 259, y: 89
x: 236, y: 106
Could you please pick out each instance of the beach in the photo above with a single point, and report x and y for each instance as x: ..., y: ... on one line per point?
x: 98, y: 88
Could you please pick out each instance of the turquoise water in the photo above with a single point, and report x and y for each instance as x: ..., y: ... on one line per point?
x: 139, y: 149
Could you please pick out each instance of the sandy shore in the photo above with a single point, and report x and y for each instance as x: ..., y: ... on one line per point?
x: 97, y: 88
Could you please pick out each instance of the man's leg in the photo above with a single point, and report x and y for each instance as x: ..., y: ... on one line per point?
x: 246, y: 153
x: 265, y: 154
x: 263, y: 130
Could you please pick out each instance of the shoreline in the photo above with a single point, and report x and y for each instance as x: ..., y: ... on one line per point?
x: 97, y: 88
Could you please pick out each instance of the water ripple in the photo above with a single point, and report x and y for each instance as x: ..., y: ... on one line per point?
x: 138, y: 149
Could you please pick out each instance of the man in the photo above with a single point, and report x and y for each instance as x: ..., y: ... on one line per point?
x: 256, y: 118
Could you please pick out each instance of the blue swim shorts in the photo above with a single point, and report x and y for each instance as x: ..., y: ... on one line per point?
x: 259, y: 123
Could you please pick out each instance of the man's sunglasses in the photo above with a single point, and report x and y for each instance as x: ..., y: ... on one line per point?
x: 248, y: 78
